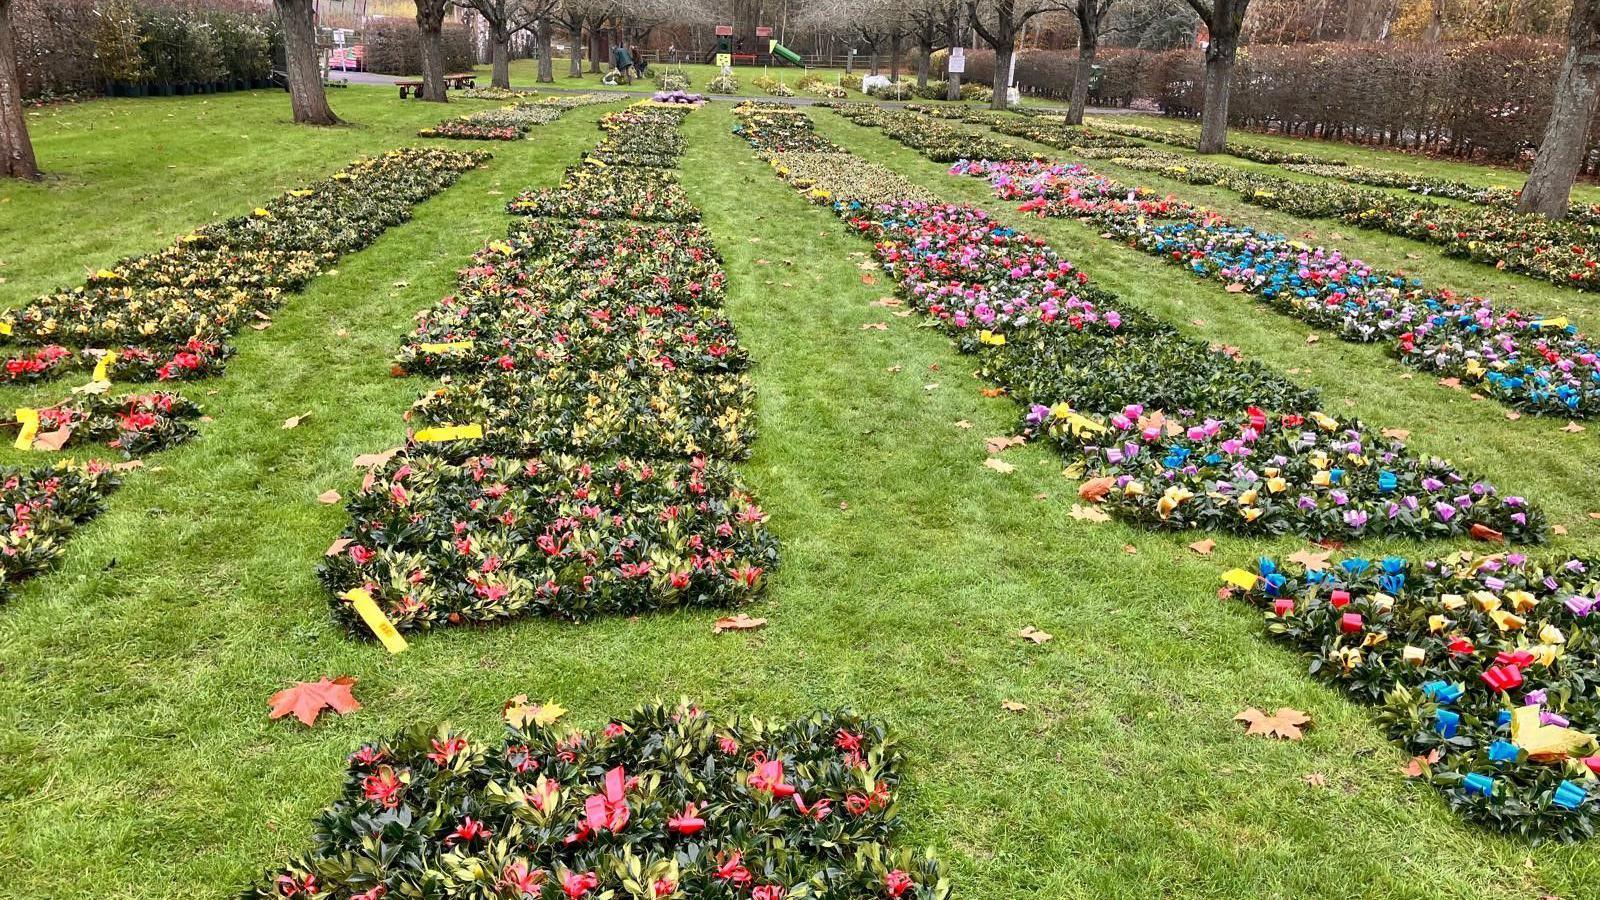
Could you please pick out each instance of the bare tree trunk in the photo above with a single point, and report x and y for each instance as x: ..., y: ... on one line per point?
x: 502, y: 58
x: 575, y: 63
x: 1549, y: 186
x: 924, y: 52
x: 1002, y: 76
x: 430, y: 21
x: 547, y: 67
x: 594, y: 48
x: 1087, y: 45
x: 894, y: 58
x: 16, y: 150
x: 952, y: 33
x: 307, y: 97
x: 873, y: 62
x: 1214, y: 115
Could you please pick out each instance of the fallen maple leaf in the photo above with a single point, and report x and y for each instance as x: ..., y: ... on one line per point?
x: 1398, y: 434
x: 261, y: 326
x: 52, y: 440
x: 307, y: 699
x: 1204, y: 547
x: 128, y: 466
x: 1130, y: 549
x: 367, y: 460
x: 294, y: 421
x: 963, y: 424
x: 520, y: 713
x: 1316, y: 779
x: 992, y: 392
x: 329, y: 496
x: 999, y: 465
x: 1312, y: 339
x: 1286, y: 724
x: 1312, y: 560
x: 1482, y: 532
x: 868, y: 279
x: 887, y: 302
x: 1033, y: 634
x: 1454, y: 383
x: 1012, y: 706
x: 1198, y: 321
x: 337, y: 547
x: 1000, y: 444
x: 1088, y: 514
x: 875, y: 326
x: 1235, y: 288
x: 1095, y: 489
x: 1513, y: 415
x: 1572, y: 428
x: 1418, y: 764
x: 740, y: 622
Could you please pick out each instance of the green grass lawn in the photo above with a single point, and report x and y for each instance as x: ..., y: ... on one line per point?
x: 140, y: 762
x: 525, y: 73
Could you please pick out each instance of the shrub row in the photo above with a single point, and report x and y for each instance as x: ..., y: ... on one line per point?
x: 1528, y: 362
x: 1481, y: 667
x: 574, y: 459
x: 510, y: 123
x: 1560, y: 252
x: 179, y: 305
x: 938, y: 140
x: 664, y: 803
x: 1190, y: 139
x: 1182, y: 436
x: 1427, y: 186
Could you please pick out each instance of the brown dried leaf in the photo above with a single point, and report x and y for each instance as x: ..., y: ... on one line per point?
x: 1095, y: 489
x: 1204, y: 547
x: 999, y: 465
x: 294, y: 421
x: 1031, y: 633
x: 1012, y: 706
x: 875, y: 326
x: 1286, y: 724
x: 329, y: 496
x: 1000, y: 444
x: 52, y: 440
x: 740, y: 622
x: 1312, y: 560
x: 1088, y: 514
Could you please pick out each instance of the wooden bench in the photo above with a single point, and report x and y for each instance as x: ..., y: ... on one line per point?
x: 457, y: 81
x: 748, y: 59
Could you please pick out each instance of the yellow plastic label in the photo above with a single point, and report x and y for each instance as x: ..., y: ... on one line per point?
x: 990, y: 338
x: 450, y: 433
x: 445, y: 348
x: 1552, y: 323
x: 102, y: 369
x: 1240, y: 578
x: 30, y: 427
x: 368, y: 610
x: 5, y: 327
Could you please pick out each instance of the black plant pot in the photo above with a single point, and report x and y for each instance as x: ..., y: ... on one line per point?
x: 139, y: 90
x: 165, y: 89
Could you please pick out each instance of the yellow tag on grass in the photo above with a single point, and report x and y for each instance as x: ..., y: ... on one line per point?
x: 1240, y: 578
x: 30, y: 427
x: 5, y: 327
x: 450, y: 433
x: 102, y: 369
x: 368, y: 610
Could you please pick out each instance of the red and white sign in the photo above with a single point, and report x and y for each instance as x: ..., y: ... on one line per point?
x: 724, y: 31
x: 764, y: 31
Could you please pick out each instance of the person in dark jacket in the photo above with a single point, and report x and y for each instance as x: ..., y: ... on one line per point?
x: 639, y: 65
x: 622, y: 61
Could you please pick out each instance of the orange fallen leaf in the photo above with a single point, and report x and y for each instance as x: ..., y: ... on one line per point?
x: 306, y: 700
x: 1285, y: 725
x: 128, y: 466
x: 337, y: 547
x: 329, y: 496
x: 1417, y: 765
x: 1483, y: 532
x: 1558, y: 529
x: 1398, y: 434
x: 875, y: 326
x: 1235, y: 288
x: 367, y: 460
x: 1454, y: 383
x: 740, y: 622
x: 52, y: 440
x: 1312, y: 339
x: 1204, y: 547
x: 886, y: 302
x: 1031, y: 633
x: 1197, y: 321
x: 1130, y: 549
x: 294, y: 421
x: 1572, y: 428
x: 867, y: 278
x: 1095, y: 489
x: 992, y: 392
x: 1513, y: 415
x: 1316, y: 779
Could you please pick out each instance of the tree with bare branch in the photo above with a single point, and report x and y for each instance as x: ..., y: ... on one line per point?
x: 16, y: 149
x: 1548, y: 189
x: 1224, y: 19
x: 999, y: 22
x: 506, y: 19
x: 1091, y: 16
x: 307, y: 97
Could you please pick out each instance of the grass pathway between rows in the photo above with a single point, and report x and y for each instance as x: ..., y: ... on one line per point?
x: 135, y: 678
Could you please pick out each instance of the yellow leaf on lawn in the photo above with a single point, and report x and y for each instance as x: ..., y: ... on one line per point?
x: 999, y: 465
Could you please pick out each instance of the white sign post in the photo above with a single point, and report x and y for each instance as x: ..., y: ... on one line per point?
x: 958, y: 61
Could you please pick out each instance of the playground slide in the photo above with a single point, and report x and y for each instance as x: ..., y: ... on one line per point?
x: 784, y: 53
